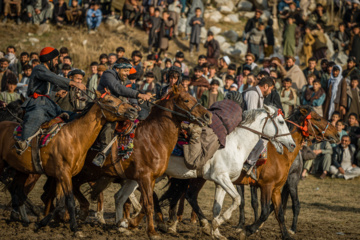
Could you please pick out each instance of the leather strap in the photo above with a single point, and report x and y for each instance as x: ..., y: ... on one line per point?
x: 35, y: 155
x: 116, y: 161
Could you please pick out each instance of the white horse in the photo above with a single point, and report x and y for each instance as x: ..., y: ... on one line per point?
x: 227, y: 163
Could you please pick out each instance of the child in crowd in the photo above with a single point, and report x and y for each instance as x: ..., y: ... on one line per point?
x: 315, y: 97
x: 353, y: 97
x: 250, y: 82
x: 10, y: 95
x: 196, y: 23
x: 340, y: 126
x: 94, y: 16
x: 334, y: 118
x: 155, y: 24
x: 256, y: 37
x: 310, y: 79
x: 22, y: 86
x: 353, y: 128
x: 288, y: 97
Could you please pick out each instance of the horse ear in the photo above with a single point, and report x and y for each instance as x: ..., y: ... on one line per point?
x: 175, y: 89
x: 267, y: 109
x: 304, y: 111
x: 22, y: 98
x: 98, y: 94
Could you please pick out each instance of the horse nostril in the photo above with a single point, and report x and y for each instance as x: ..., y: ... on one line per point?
x: 132, y: 110
x: 207, y: 116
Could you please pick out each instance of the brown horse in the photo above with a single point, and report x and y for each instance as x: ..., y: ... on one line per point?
x: 65, y: 155
x: 154, y: 141
x: 272, y: 175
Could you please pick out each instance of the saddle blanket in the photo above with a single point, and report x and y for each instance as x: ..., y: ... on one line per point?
x: 262, y: 158
x: 44, y: 138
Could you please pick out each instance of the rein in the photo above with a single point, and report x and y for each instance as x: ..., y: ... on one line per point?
x: 265, y: 136
x: 188, y: 115
x: 12, y: 114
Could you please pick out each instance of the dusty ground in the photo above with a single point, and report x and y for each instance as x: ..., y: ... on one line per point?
x: 329, y: 210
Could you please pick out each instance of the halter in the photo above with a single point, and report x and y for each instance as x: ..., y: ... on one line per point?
x: 188, y: 115
x: 305, y: 130
x: 265, y: 136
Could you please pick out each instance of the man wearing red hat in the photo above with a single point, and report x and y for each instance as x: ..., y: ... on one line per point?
x: 39, y: 108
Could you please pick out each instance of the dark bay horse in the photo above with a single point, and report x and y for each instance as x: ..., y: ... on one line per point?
x: 65, y: 155
x: 272, y: 175
x: 155, y: 139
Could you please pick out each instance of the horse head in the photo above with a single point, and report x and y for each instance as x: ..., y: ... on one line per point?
x: 187, y: 108
x: 115, y: 109
x: 315, y: 126
x: 277, y: 130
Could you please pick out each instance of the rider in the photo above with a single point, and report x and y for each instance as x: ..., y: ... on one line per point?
x: 39, y: 108
x: 204, y: 142
x: 254, y: 99
x: 115, y: 80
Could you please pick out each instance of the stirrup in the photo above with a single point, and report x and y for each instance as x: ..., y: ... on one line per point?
x: 99, y: 159
x: 21, y: 149
x: 249, y: 172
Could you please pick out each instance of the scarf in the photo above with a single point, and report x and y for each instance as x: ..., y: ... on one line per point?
x: 334, y: 82
x: 311, y: 95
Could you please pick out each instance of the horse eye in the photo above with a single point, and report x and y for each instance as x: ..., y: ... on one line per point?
x: 110, y: 101
x: 281, y: 122
x: 186, y: 101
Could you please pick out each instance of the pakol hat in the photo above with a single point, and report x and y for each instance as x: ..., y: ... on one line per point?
x: 48, y: 53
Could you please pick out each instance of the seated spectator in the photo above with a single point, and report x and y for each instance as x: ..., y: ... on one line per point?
x: 322, y: 162
x: 288, y: 97
x: 326, y: 76
x: 341, y: 39
x: 179, y: 56
x: 198, y: 83
x: 336, y: 98
x: 340, y: 126
x: 120, y: 52
x: 223, y: 66
x: 242, y: 78
x: 22, y: 86
x: 315, y: 97
x: 343, y: 160
x: 250, y: 82
x: 212, y: 95
x: 234, y: 87
x: 35, y: 62
x: 39, y: 11
x: 353, y: 128
x: 131, y: 12
x: 73, y: 14
x: 335, y: 117
x: 311, y: 69
x: 355, y: 42
x: 320, y: 45
x: 256, y: 38
x: 149, y: 84
x: 229, y: 80
x: 59, y: 14
x: 318, y: 16
x: 353, y: 96
x: 112, y: 59
x: 7, y: 10
x: 10, y: 95
x: 5, y: 73
x: 94, y: 17
x: 230, y: 71
x: 66, y: 68
x: 352, y: 14
x: 213, y: 49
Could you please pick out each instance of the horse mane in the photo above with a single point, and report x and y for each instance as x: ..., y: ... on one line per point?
x: 15, y: 108
x: 85, y: 110
x: 297, y: 117
x: 249, y: 116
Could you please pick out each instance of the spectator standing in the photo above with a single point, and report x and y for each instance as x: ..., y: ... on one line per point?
x: 353, y: 96
x: 269, y: 33
x: 112, y: 60
x: 250, y: 82
x: 10, y: 95
x: 198, y: 83
x: 167, y: 25
x: 311, y: 69
x: 5, y: 73
x: 336, y: 98
x: 174, y: 10
x: 22, y: 86
x: 335, y: 117
x: 309, y: 40
x: 179, y: 56
x: 343, y: 160
x: 340, y: 126
x: 94, y: 17
x: 355, y: 43
x: 149, y: 85
x: 194, y: 5
x: 315, y: 97
x: 229, y: 80
x: 288, y: 97
x: 155, y: 23
x: 252, y: 22
x: 249, y: 61
x: 213, y: 49
x: 256, y: 37
x: 289, y: 38
x: 7, y: 9
x: 353, y: 128
x: 294, y: 72
x: 212, y: 95
x: 196, y: 23
x: 223, y: 66
x: 93, y: 80
x: 120, y: 52
x: 136, y: 57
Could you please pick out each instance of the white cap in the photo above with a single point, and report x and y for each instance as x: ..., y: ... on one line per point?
x: 227, y: 60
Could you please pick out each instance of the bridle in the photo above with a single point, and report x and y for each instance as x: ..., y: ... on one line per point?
x: 187, y: 113
x: 265, y: 136
x: 309, y: 126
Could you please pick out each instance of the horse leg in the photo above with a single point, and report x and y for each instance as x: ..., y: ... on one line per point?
x: 279, y: 214
x: 84, y: 203
x: 266, y: 192
x: 295, y: 206
x: 180, y: 210
x: 18, y: 196
x: 135, y: 203
x: 28, y: 187
x: 49, y: 195
x: 254, y: 202
x: 241, y: 190
x: 146, y: 185
x: 159, y: 218
x: 120, y: 198
x: 100, y: 209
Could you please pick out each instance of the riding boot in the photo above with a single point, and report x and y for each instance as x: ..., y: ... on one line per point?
x: 193, y: 149
x: 21, y: 146
x: 99, y: 159
x: 249, y: 170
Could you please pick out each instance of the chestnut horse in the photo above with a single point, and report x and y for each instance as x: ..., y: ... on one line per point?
x: 154, y: 142
x: 271, y: 176
x: 65, y: 155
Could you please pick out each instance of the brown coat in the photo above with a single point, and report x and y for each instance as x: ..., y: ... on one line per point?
x: 341, y: 100
x: 309, y: 40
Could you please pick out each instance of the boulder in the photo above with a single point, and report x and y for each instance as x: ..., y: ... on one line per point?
x: 43, y: 28
x: 266, y: 15
x: 330, y: 51
x: 234, y: 18
x: 112, y: 22
x: 216, y: 16
x: 203, y: 34
x: 226, y: 48
x: 34, y: 40
x: 182, y: 25
x: 215, y: 30
x: 231, y: 35
x: 228, y: 3
x: 260, y: 4
x: 244, y: 6
x: 235, y: 52
x: 120, y: 28
x: 220, y: 39
x: 247, y: 14
x: 225, y: 9
x: 242, y: 47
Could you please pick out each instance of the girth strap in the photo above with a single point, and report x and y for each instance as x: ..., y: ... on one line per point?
x: 36, y: 156
x: 116, y: 161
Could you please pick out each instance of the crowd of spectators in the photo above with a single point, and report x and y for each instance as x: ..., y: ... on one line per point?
x: 330, y: 88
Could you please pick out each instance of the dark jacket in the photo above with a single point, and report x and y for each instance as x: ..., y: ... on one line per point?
x: 213, y: 49
x: 110, y: 80
x: 273, y: 99
x: 355, y: 49
x: 226, y: 116
x: 205, y: 98
x: 337, y: 156
x: 307, y: 72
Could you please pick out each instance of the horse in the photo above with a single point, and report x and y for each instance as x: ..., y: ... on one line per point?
x: 12, y: 112
x: 272, y: 175
x: 154, y: 140
x: 64, y: 156
x: 226, y: 164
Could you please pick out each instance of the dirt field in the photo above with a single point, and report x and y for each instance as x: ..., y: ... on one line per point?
x: 329, y: 210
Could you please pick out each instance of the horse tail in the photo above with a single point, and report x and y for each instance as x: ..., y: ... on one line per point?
x: 177, y: 187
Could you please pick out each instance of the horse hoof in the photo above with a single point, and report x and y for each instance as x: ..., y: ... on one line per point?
x: 238, y: 230
x: 155, y: 237
x: 172, y: 229
x: 79, y: 234
x: 242, y: 235
x: 193, y: 222
x: 163, y: 227
x: 205, y: 227
x: 291, y: 232
x: 217, y: 235
x: 123, y: 223
x: 15, y: 216
x: 261, y: 225
x: 215, y: 224
x: 125, y: 231
x: 100, y: 218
